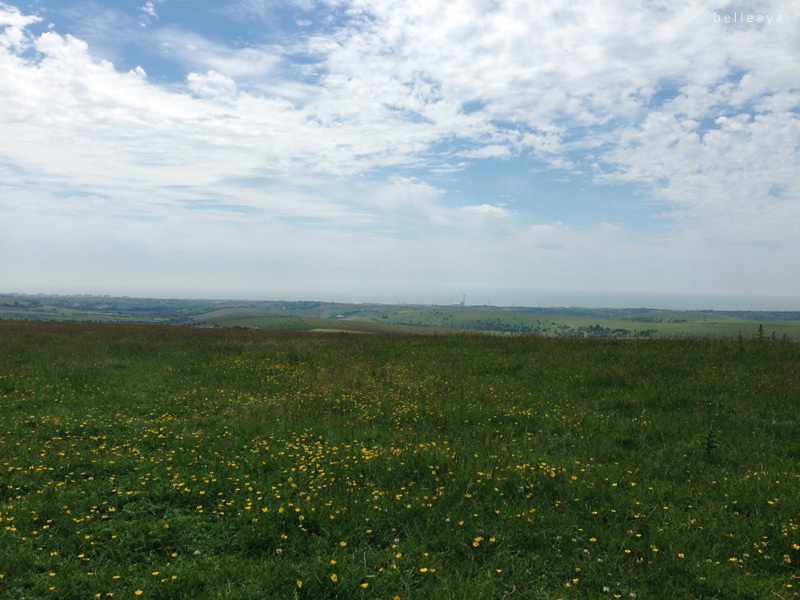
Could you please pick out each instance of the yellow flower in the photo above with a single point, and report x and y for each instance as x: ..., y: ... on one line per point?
x: 299, y: 583
x: 343, y: 544
x: 334, y: 578
x: 138, y: 592
x: 364, y: 585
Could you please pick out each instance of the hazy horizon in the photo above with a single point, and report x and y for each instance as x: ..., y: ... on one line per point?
x: 531, y: 299
x: 612, y: 154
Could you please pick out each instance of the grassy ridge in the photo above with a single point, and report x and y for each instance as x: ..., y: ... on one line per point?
x: 196, y: 463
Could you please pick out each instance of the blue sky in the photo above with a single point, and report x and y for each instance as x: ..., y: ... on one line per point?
x: 601, y: 153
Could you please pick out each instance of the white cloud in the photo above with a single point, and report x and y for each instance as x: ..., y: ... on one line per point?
x: 13, y: 24
x: 196, y: 53
x: 149, y: 9
x: 211, y: 84
x: 491, y: 151
x: 489, y: 210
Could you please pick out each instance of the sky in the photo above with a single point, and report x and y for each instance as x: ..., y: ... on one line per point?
x: 517, y: 152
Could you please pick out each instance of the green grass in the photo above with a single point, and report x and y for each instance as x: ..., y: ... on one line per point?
x: 227, y: 463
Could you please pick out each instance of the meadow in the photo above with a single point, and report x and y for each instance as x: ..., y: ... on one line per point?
x: 149, y: 461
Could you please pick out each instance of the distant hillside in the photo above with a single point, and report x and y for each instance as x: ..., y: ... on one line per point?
x: 381, y: 318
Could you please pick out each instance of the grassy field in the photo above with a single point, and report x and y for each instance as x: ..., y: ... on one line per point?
x: 169, y: 462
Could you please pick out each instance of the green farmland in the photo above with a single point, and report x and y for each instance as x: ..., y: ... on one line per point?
x: 155, y: 461
x: 380, y: 318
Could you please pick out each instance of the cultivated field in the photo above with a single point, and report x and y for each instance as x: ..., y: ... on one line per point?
x: 167, y: 462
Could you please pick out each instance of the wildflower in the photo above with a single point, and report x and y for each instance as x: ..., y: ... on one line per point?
x: 364, y: 585
x: 138, y: 592
x: 299, y: 583
x: 334, y: 578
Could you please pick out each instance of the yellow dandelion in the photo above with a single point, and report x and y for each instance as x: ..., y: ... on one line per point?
x: 334, y: 578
